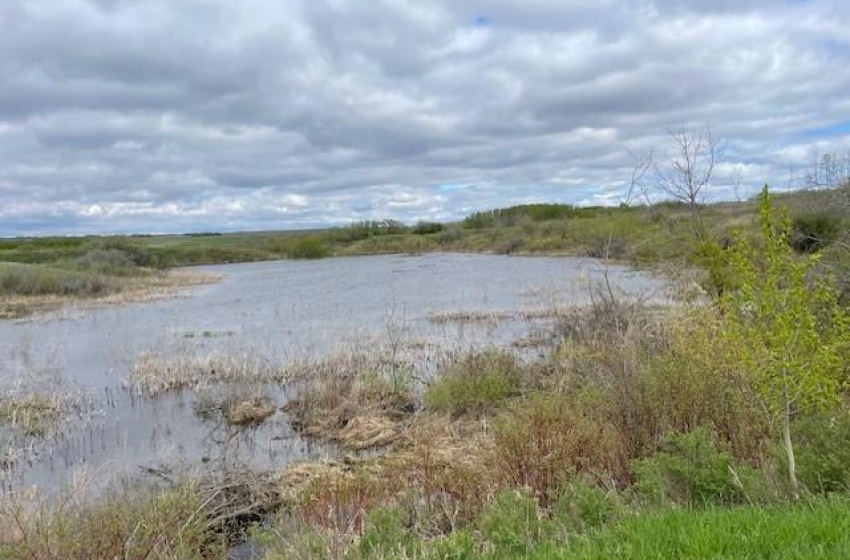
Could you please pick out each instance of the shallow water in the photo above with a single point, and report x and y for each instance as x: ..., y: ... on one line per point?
x: 278, y: 309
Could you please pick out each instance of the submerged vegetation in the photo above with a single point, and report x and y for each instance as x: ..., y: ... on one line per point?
x: 717, y: 428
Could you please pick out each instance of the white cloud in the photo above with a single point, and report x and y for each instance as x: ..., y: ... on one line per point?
x: 274, y: 114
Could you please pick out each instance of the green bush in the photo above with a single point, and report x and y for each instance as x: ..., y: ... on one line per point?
x: 309, y: 247
x: 823, y: 452
x: 106, y: 261
x: 425, y: 228
x: 581, y: 506
x: 42, y: 280
x: 511, y: 523
x: 690, y: 470
x: 813, y: 231
x: 387, y: 534
x: 476, y: 383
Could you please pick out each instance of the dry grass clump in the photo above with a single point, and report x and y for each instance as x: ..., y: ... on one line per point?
x: 439, y: 472
x: 137, y: 520
x: 155, y: 373
x: 236, y: 405
x: 249, y: 412
x: 33, y: 414
x: 357, y: 400
x: 132, y: 523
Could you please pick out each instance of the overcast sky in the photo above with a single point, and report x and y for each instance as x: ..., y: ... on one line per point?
x: 199, y: 115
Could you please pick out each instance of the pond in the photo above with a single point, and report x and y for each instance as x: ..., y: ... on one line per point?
x: 280, y: 310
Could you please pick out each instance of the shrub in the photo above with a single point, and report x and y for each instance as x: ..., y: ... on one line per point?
x: 581, y: 506
x: 309, y: 247
x: 42, y: 280
x: 823, y: 452
x: 546, y: 440
x: 511, y: 523
x: 475, y: 383
x: 690, y: 470
x: 813, y: 231
x: 425, y: 228
x: 106, y: 261
x: 387, y: 533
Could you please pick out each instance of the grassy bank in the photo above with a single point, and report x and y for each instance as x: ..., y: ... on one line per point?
x: 662, y: 235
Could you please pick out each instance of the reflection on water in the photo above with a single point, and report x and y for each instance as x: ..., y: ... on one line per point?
x: 281, y: 310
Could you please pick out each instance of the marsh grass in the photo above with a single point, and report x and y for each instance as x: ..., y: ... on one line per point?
x: 155, y: 373
x: 475, y: 384
x: 357, y: 399
x: 236, y: 405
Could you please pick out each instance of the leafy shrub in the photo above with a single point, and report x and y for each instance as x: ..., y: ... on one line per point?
x: 387, y: 533
x: 813, y: 231
x: 476, y: 383
x: 511, y: 523
x: 308, y: 247
x: 506, y: 217
x: 425, y: 228
x: 581, y: 506
x: 689, y: 470
x: 106, y: 261
x: 823, y: 452
x: 42, y: 280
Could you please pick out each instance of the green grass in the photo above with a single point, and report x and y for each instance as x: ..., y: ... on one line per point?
x: 818, y: 530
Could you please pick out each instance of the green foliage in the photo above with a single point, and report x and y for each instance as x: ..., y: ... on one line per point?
x: 787, y: 322
x: 386, y: 534
x: 786, y: 319
x: 476, y: 383
x: 689, y: 470
x: 502, y: 217
x: 581, y: 507
x: 511, y: 523
x: 426, y: 228
x: 43, y: 280
x: 369, y: 228
x: 813, y: 231
x: 823, y: 451
x: 304, y: 247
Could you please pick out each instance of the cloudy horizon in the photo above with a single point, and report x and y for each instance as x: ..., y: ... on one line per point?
x: 157, y: 116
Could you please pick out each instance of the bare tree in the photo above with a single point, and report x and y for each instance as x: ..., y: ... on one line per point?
x: 687, y: 174
x: 637, y: 185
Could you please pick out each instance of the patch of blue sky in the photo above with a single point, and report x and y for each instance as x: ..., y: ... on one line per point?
x: 839, y: 128
x: 482, y: 21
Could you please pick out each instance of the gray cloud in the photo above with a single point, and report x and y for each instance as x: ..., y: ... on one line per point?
x: 155, y: 115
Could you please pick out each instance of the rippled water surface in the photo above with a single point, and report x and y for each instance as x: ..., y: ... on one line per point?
x: 278, y: 309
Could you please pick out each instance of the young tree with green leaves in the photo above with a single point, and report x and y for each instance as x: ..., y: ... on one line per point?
x: 787, y: 322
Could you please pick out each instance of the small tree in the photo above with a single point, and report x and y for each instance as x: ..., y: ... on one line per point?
x: 686, y: 176
x: 787, y: 322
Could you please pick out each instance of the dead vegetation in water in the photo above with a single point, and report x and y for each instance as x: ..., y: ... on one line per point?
x: 155, y: 373
x: 356, y: 399
x: 436, y: 462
